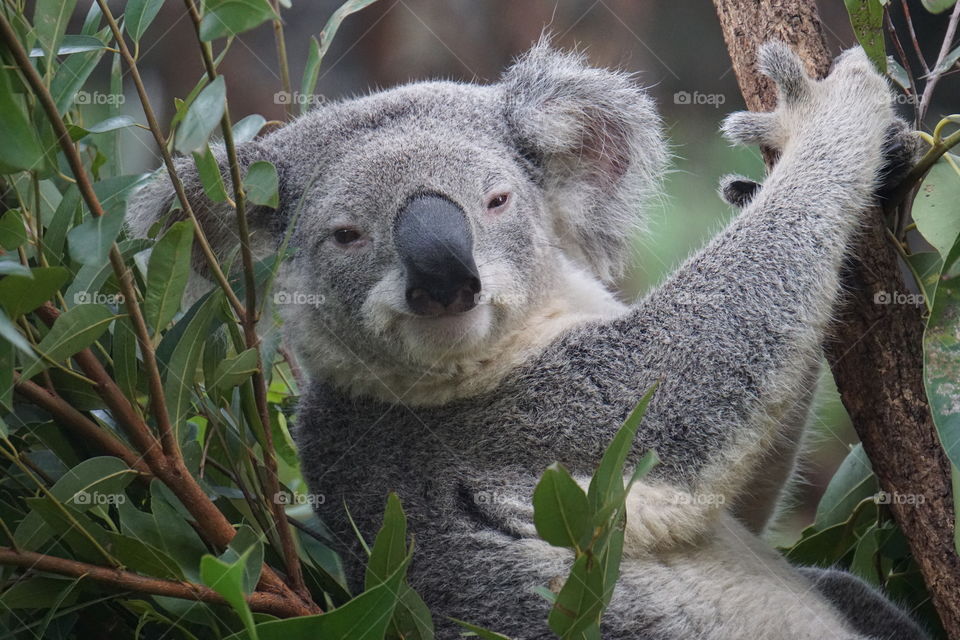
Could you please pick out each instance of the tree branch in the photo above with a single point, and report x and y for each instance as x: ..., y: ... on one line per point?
x: 258, y: 600
x: 876, y: 351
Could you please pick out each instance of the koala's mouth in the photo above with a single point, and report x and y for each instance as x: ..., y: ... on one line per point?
x: 448, y: 329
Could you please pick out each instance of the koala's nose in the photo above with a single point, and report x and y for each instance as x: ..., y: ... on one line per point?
x: 435, y: 245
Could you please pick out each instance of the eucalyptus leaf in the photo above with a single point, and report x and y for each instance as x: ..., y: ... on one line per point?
x: 73, y: 331
x: 167, y: 275
x: 229, y: 17
x: 138, y: 16
x: 202, y: 117
x: 261, y: 184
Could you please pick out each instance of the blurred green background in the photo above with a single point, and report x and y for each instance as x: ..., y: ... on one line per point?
x: 676, y: 47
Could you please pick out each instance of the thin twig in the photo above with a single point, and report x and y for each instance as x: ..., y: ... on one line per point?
x: 913, y: 35
x: 67, y: 416
x: 259, y: 601
x: 290, y: 556
x: 282, y: 59
x: 934, y: 76
x: 212, y: 263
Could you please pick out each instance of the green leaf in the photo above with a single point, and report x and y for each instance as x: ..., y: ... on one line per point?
x: 20, y: 294
x: 210, y: 177
x: 125, y: 364
x: 248, y: 128
x: 580, y: 601
x: 948, y: 61
x: 561, y: 511
x: 333, y: 25
x: 486, y: 634
x: 261, y: 184
x: 202, y: 117
x: 39, y: 592
x: 180, y: 370
x: 72, y: 44
x: 73, y: 331
x: 144, y: 558
x: 864, y: 562
x: 90, y: 242
x: 853, y: 482
x: 310, y: 73
x: 897, y: 73
x: 606, y: 486
x: 866, y: 17
x: 9, y: 333
x: 411, y: 618
x: 167, y: 274
x: 63, y: 218
x: 110, y: 124
x: 390, y: 547
x: 246, y: 542
x: 926, y: 265
x: 138, y: 16
x: 50, y: 19
x: 232, y: 371
x: 938, y: 6
x: 21, y: 150
x: 227, y: 580
x: 70, y: 78
x: 941, y: 361
x: 935, y: 207
x: 13, y: 233
x: 365, y: 617
x: 229, y: 17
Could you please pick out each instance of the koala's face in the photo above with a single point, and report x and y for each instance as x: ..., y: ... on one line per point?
x: 424, y: 231
x: 431, y: 221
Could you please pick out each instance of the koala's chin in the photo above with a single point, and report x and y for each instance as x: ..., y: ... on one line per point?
x: 435, y: 338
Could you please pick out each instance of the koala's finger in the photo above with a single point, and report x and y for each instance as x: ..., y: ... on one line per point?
x: 751, y: 127
x: 737, y: 190
x: 777, y: 61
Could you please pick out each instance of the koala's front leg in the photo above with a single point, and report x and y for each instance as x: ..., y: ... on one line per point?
x: 735, y: 332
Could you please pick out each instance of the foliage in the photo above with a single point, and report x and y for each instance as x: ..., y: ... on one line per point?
x: 149, y: 479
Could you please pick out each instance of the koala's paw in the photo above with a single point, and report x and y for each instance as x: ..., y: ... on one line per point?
x: 852, y: 104
x: 737, y: 190
x: 901, y: 150
x: 660, y: 518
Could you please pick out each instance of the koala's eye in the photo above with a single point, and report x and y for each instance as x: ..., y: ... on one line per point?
x: 346, y: 235
x: 498, y: 201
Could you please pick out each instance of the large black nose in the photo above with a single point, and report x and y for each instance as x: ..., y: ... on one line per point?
x: 435, y: 244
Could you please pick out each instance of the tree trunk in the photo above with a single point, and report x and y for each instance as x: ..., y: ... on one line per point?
x: 875, y: 350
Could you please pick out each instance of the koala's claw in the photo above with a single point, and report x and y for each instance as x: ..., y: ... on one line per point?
x: 737, y: 190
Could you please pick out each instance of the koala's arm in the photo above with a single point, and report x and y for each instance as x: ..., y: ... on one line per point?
x: 734, y: 333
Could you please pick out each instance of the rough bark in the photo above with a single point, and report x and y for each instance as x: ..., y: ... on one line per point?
x: 876, y: 350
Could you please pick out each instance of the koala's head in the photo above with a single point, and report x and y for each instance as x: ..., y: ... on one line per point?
x: 429, y: 221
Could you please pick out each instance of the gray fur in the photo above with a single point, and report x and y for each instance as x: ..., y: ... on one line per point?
x: 460, y: 416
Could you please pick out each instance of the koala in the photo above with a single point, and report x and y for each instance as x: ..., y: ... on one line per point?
x: 464, y: 240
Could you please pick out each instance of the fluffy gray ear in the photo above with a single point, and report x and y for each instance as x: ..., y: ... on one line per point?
x: 600, y: 143
x: 154, y: 200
